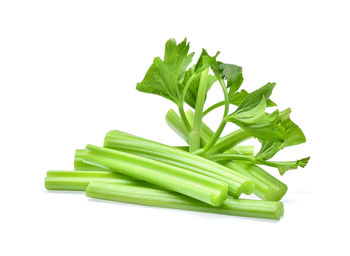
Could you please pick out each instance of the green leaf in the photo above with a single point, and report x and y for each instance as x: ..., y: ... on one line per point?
x: 203, y: 62
x: 216, y: 70
x: 238, y: 97
x: 191, y: 94
x: 255, y: 97
x: 233, y: 76
x: 251, y: 116
x: 293, y: 136
x: 251, y: 113
x: 268, y: 149
x: 284, y: 166
x: 165, y: 77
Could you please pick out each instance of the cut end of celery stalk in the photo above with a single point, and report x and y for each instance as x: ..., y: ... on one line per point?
x: 246, y: 188
x: 279, y: 210
x: 276, y: 193
x: 79, y: 180
x: 55, y: 183
x: 219, y: 198
x: 79, y: 165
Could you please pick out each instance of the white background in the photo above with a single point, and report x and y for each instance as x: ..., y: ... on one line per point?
x: 68, y: 71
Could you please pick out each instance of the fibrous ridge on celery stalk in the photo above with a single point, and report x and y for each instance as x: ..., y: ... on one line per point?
x: 79, y: 165
x: 237, y: 183
x: 168, y: 199
x: 79, y: 180
x: 203, y: 188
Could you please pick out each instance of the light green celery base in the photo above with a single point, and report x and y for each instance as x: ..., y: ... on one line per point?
x: 167, y: 199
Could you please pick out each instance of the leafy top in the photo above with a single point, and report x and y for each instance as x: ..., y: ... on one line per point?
x: 165, y: 77
x: 251, y: 116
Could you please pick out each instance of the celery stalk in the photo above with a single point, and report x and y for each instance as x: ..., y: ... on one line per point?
x: 80, y: 184
x: 247, y: 150
x: 275, y: 188
x: 125, y: 142
x: 266, y: 186
x: 192, y: 184
x: 79, y: 165
x: 87, y: 174
x: 168, y: 199
x: 79, y: 180
x: 227, y: 143
x: 223, y: 144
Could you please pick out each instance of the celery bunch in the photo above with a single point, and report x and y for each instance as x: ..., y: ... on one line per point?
x: 211, y: 172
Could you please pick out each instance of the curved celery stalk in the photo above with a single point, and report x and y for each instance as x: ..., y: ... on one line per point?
x: 192, y: 184
x: 237, y: 183
x: 276, y: 189
x: 79, y: 165
x: 167, y: 199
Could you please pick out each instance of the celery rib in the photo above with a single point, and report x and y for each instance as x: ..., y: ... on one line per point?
x: 247, y: 150
x: 79, y: 165
x: 266, y: 186
x: 79, y: 180
x: 275, y: 189
x: 168, y: 199
x: 237, y: 183
x: 80, y: 184
x: 87, y: 174
x: 192, y: 184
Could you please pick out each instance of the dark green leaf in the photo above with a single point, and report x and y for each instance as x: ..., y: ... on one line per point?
x: 233, y: 76
x: 284, y: 166
x: 165, y: 78
x: 203, y: 62
x: 238, y: 97
x: 254, y: 98
x: 191, y: 95
x: 251, y: 116
x: 293, y: 136
x: 268, y: 149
